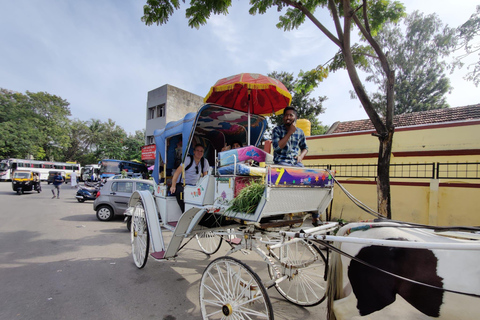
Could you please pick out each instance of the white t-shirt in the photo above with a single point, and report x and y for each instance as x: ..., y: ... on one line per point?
x: 191, y: 175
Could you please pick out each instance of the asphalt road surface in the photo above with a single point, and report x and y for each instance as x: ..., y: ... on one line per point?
x: 57, y: 261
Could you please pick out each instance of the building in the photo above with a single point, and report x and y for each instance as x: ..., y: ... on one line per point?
x: 164, y: 104
x: 168, y: 103
x: 434, y: 167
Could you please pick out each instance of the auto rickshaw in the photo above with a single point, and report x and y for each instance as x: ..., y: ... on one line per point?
x: 25, y: 180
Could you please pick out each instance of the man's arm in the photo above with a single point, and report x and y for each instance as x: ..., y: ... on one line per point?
x: 303, y: 153
x: 177, y: 173
x: 283, y: 141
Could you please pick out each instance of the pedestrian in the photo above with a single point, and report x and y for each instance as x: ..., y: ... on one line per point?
x: 57, y: 182
x: 73, y: 179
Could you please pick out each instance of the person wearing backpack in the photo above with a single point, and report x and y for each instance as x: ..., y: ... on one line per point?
x: 195, y: 168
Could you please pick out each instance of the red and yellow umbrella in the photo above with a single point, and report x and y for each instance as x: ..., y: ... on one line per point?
x: 250, y: 92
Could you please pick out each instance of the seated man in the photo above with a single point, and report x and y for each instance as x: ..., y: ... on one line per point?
x: 289, y: 143
x: 192, y: 173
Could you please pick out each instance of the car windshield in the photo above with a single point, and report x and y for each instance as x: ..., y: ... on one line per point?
x: 3, y: 166
x: 21, y: 175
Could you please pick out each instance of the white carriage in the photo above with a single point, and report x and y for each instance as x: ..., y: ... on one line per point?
x: 296, y: 268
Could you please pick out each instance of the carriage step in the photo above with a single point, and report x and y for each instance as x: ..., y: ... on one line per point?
x: 158, y: 255
x: 235, y: 241
x: 172, y: 223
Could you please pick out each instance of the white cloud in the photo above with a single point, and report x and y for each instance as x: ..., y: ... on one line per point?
x: 101, y: 58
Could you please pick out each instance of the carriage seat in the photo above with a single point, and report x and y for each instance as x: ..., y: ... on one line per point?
x: 243, y: 154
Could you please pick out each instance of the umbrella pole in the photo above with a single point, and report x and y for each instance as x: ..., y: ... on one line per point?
x: 248, y: 129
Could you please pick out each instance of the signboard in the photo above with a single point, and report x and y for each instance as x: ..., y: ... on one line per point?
x: 148, y: 152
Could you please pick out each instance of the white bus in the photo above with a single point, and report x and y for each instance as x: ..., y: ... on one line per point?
x: 8, y: 167
x: 86, y: 173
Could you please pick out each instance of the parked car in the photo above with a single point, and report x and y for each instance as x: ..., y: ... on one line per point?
x: 112, y: 199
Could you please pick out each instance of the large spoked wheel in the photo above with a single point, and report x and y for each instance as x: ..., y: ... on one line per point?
x: 305, y: 267
x: 209, y: 242
x: 229, y: 289
x: 139, y: 236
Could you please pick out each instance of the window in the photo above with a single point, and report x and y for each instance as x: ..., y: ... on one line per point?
x: 144, y: 186
x: 151, y: 113
x: 150, y: 140
x: 160, y: 110
x: 122, y: 187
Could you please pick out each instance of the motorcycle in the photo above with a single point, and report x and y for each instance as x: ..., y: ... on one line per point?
x: 86, y: 193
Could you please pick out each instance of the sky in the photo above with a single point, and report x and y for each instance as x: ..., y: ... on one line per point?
x: 100, y: 57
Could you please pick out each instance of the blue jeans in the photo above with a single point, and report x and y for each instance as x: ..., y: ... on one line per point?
x: 298, y: 164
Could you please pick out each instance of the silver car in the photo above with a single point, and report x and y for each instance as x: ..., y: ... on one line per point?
x: 113, y: 197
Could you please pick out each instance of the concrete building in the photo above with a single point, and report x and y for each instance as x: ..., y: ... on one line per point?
x: 168, y: 103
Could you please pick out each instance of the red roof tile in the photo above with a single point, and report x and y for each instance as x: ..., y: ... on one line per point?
x: 411, y: 119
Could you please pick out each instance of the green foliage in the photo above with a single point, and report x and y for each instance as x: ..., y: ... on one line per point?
x: 301, y: 88
x: 417, y: 55
x: 248, y: 198
x: 33, y: 124
x: 469, y: 40
x: 37, y: 125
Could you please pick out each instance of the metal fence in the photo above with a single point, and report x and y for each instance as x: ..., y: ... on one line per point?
x: 430, y: 170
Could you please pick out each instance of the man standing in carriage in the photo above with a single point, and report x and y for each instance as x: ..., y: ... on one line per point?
x: 195, y: 168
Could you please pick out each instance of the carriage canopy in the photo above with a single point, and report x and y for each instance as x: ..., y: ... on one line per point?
x: 212, y: 126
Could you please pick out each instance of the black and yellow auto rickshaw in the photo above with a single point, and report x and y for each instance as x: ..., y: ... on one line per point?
x: 24, y: 180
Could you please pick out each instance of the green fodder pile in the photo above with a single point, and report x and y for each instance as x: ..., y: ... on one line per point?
x: 248, y: 198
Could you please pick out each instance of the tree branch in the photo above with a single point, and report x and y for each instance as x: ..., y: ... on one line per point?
x: 312, y: 18
x: 352, y: 72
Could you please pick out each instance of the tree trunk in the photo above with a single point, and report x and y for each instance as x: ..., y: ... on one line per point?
x: 383, y: 174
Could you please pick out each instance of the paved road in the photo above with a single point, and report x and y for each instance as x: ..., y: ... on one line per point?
x: 57, y: 261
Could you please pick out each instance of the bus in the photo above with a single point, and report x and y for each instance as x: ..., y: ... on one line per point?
x: 8, y: 167
x: 88, y: 170
x: 111, y: 167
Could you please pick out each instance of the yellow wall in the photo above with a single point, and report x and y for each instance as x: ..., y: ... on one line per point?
x: 427, y: 201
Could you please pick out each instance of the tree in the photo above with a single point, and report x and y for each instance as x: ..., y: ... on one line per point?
x: 33, y: 124
x: 301, y: 88
x: 469, y: 36
x: 133, y: 145
x: 417, y: 54
x: 366, y: 15
x: 110, y: 144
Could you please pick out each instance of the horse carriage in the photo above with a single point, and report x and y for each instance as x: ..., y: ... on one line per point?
x: 374, y: 265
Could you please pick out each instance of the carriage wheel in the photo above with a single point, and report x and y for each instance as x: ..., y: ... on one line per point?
x: 305, y: 266
x: 209, y: 242
x: 139, y: 236
x: 229, y: 289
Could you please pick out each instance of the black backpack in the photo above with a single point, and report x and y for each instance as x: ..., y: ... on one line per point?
x: 191, y: 163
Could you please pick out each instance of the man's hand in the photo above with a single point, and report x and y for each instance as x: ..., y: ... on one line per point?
x: 173, y: 187
x: 291, y: 129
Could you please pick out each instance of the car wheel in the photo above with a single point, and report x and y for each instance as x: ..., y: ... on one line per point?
x: 104, y: 213
x: 81, y: 200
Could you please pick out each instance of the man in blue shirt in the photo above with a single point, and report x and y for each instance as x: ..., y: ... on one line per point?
x: 289, y: 143
x: 57, y: 182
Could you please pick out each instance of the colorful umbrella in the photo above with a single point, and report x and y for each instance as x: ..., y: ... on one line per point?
x: 250, y: 92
